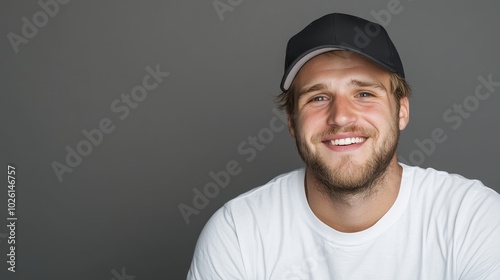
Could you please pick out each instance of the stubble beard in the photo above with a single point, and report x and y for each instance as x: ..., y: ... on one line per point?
x: 349, y: 178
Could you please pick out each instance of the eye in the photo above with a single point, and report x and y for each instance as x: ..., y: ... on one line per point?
x: 365, y: 94
x: 318, y: 98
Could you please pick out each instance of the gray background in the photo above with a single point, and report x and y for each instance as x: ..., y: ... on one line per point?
x: 119, y: 207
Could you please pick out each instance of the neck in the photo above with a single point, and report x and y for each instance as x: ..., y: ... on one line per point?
x: 347, y: 212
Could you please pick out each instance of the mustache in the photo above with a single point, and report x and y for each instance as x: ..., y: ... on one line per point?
x: 336, y: 130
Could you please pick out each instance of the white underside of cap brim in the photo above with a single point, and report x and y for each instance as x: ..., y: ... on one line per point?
x: 295, y: 69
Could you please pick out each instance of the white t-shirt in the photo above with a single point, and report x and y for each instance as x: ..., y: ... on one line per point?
x: 441, y: 226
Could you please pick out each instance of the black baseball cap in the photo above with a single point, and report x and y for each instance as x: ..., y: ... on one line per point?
x: 340, y: 32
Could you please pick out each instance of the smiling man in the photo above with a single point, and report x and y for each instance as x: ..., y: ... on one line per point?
x: 346, y: 125
x: 353, y: 212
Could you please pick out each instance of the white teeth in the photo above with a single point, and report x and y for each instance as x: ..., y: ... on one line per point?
x: 347, y: 141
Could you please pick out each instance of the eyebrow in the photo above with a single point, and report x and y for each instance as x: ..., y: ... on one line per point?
x: 315, y: 87
x: 359, y: 83
x: 353, y: 82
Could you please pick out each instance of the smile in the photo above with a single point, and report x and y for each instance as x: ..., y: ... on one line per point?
x: 347, y: 141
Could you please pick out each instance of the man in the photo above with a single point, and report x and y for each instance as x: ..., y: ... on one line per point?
x: 353, y: 212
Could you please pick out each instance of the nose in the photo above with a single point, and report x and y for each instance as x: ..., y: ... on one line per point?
x: 341, y: 112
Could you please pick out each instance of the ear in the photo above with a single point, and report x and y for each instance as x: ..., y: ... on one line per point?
x: 291, y: 128
x: 404, y: 112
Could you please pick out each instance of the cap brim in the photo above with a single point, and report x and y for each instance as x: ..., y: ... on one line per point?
x: 304, y: 58
x: 292, y: 72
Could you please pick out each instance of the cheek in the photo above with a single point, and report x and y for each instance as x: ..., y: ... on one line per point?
x: 381, y: 121
x: 309, y: 122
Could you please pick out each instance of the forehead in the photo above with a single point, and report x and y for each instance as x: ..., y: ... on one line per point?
x: 338, y: 66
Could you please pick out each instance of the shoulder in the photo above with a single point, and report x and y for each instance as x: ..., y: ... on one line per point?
x: 462, y: 214
x: 278, y: 190
x: 265, y: 205
x: 259, y: 204
x: 453, y: 200
x: 441, y: 183
x: 234, y: 232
